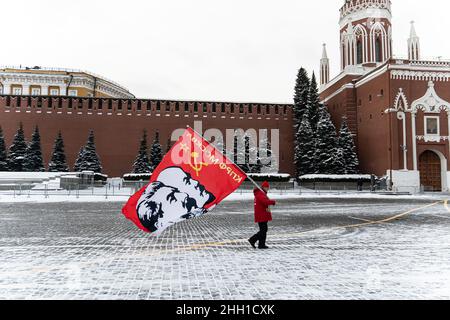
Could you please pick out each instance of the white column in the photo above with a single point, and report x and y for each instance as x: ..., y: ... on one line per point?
x: 355, y: 58
x: 402, y: 116
x: 414, y: 138
x: 6, y: 88
x: 448, y: 119
x: 26, y: 89
x: 63, y: 90
x: 44, y: 90
x: 405, y: 144
x: 346, y: 52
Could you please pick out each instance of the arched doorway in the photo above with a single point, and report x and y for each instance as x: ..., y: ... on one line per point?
x: 430, y: 171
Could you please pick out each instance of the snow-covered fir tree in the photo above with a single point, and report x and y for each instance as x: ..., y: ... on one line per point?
x: 252, y: 155
x: 266, y: 157
x: 339, y: 164
x: 327, y: 156
x: 347, y: 144
x: 245, y: 152
x: 239, y: 155
x: 305, y: 148
x: 78, y: 163
x: 88, y: 159
x: 3, y: 153
x: 58, y: 162
x: 220, y: 145
x: 142, y: 164
x: 301, y: 93
x: 314, y: 106
x: 156, y: 154
x: 301, y: 101
x: 33, y: 161
x: 17, y: 150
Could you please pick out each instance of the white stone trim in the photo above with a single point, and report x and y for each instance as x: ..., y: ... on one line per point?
x: 361, y: 9
x: 405, y: 180
x: 436, y: 76
x: 340, y: 90
x: 432, y: 138
x: 401, y: 97
x: 430, y: 102
x: 371, y: 76
x: 402, y: 116
x: 414, y: 140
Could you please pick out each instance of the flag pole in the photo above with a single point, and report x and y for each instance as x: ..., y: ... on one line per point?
x: 248, y: 177
x: 253, y: 181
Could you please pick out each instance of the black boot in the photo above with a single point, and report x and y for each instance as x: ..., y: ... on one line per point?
x: 262, y: 241
x: 253, y: 241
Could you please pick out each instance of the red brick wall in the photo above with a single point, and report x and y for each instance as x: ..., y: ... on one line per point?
x: 118, y: 134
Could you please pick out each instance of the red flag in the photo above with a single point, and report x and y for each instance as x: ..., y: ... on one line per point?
x: 190, y: 181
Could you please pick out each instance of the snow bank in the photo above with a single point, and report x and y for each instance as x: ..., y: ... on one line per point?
x: 269, y: 175
x: 237, y: 196
x: 30, y: 175
x: 336, y: 177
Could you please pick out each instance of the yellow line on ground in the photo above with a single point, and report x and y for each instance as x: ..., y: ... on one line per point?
x: 237, y: 241
x: 386, y: 220
x: 361, y: 219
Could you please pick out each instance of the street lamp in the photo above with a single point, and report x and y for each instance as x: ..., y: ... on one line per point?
x: 390, y: 111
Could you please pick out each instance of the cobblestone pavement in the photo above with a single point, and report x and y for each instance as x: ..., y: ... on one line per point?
x: 324, y: 249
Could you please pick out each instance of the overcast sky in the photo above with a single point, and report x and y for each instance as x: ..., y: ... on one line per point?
x: 232, y: 50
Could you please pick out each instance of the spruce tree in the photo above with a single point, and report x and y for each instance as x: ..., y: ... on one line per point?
x: 3, y: 153
x: 142, y: 164
x: 327, y: 156
x: 347, y: 144
x: 266, y: 158
x: 58, y: 162
x: 88, y: 159
x: 240, y: 155
x: 314, y: 106
x: 17, y: 151
x: 155, y: 153
x: 301, y: 93
x: 33, y: 156
x: 252, y: 156
x: 305, y: 149
x: 79, y: 162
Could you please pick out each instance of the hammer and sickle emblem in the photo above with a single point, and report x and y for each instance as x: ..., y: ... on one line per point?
x: 197, y: 166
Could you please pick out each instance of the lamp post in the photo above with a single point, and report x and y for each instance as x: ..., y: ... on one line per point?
x: 390, y: 111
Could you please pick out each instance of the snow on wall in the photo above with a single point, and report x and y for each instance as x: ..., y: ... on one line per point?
x: 336, y: 177
x: 136, y: 175
x: 269, y: 175
x: 30, y: 175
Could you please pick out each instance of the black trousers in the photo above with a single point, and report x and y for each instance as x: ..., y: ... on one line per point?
x: 261, y: 236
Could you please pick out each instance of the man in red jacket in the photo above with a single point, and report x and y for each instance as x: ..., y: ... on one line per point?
x: 262, y: 215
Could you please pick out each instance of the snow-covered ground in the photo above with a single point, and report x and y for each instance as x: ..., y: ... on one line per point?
x: 122, y: 195
x: 320, y: 249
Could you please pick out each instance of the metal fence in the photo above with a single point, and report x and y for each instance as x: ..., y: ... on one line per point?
x: 119, y: 189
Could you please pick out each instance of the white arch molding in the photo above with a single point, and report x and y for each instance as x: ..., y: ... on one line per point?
x: 430, y: 103
x: 400, y: 105
x: 361, y: 34
x: 378, y: 28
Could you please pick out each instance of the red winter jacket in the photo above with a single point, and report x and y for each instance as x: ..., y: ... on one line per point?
x: 262, y: 203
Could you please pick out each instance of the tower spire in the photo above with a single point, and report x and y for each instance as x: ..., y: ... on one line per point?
x: 413, y: 44
x: 324, y: 67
